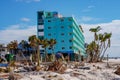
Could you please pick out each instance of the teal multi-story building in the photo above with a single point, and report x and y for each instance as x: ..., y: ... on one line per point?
x: 66, y: 31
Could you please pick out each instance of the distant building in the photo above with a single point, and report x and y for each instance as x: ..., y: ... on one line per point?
x: 68, y: 34
x: 3, y: 51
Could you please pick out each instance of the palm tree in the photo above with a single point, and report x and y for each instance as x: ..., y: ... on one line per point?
x: 35, y: 42
x: 94, y: 48
x: 52, y: 43
x: 12, y: 46
x: 96, y: 41
x: 106, y: 37
x: 45, y: 44
x: 13, y: 49
x: 95, y: 30
x: 100, y: 44
x: 90, y: 51
x: 81, y: 28
x: 23, y: 48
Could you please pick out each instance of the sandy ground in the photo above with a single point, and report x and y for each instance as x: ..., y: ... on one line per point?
x: 97, y: 71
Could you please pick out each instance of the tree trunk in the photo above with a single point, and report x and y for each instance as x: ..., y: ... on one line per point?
x: 100, y: 52
x: 53, y: 55
x: 103, y: 53
x: 23, y: 56
x: 38, y: 53
x: 46, y: 55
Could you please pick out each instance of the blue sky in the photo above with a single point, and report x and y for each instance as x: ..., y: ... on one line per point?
x: 18, y: 17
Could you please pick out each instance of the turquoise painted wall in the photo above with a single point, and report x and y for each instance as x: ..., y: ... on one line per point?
x: 66, y: 31
x: 59, y: 30
x: 67, y: 34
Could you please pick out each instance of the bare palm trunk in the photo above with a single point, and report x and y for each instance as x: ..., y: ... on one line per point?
x: 38, y: 56
x: 23, y: 56
x: 103, y: 53
x: 45, y: 55
x: 53, y: 55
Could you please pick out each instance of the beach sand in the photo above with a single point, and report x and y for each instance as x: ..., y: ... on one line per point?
x: 97, y: 71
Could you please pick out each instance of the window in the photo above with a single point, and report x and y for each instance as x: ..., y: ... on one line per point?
x: 49, y: 34
x: 49, y: 27
x: 62, y: 34
x: 41, y: 33
x: 70, y: 33
x: 40, y: 26
x: 70, y: 19
x: 40, y: 23
x: 49, y: 48
x: 41, y: 37
x: 63, y: 47
x: 70, y: 26
x: 48, y: 14
x: 40, y: 20
x: 62, y: 19
x: 62, y: 26
x: 62, y: 40
x: 49, y: 20
x: 40, y: 30
x: 42, y: 50
x: 70, y: 40
x: 70, y: 47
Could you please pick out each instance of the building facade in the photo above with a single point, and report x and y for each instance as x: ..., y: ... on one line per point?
x: 68, y: 34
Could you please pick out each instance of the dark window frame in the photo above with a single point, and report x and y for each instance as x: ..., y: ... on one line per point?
x: 70, y: 40
x: 61, y: 19
x: 70, y: 33
x: 62, y: 34
x: 40, y: 30
x: 69, y: 19
x: 49, y: 34
x: 49, y: 20
x: 62, y: 27
x: 62, y: 41
x: 63, y: 48
x: 49, y: 27
x: 70, y: 47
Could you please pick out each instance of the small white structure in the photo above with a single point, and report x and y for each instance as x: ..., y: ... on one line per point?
x: 3, y: 51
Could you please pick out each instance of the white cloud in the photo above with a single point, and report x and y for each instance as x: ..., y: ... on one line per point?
x: 84, y: 18
x: 113, y: 26
x: 13, y: 27
x: 89, y: 8
x: 15, y: 33
x: 28, y: 1
x: 87, y: 19
x: 25, y: 19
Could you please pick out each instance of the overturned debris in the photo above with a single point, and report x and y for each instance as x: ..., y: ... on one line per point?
x: 57, y: 66
x: 117, y: 71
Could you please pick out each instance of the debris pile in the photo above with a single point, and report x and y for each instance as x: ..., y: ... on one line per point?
x: 117, y: 71
x: 57, y: 66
